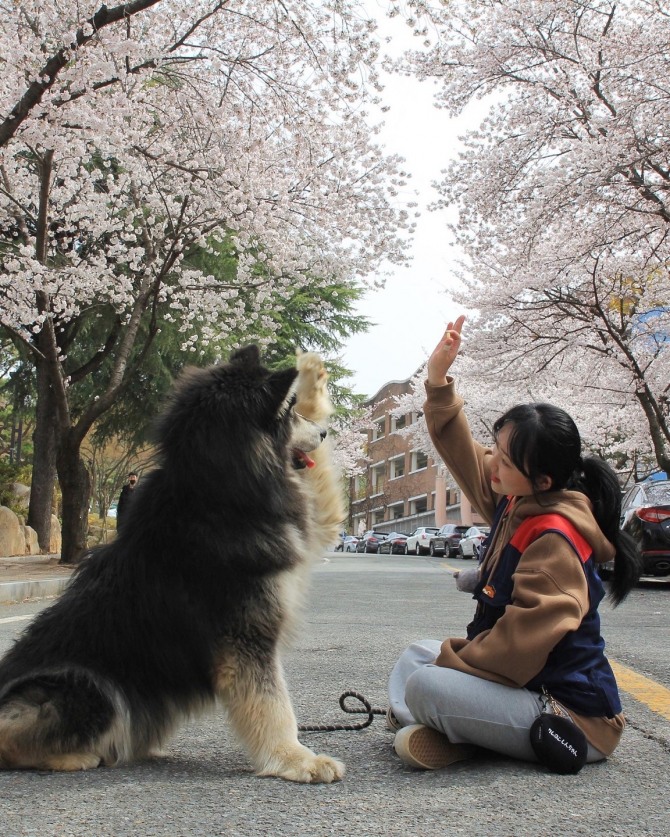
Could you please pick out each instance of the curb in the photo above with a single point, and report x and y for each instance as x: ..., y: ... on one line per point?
x: 14, y: 592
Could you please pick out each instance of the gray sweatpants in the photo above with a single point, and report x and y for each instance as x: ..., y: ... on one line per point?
x: 467, y: 709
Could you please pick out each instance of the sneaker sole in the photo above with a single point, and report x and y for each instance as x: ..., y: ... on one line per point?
x: 427, y: 749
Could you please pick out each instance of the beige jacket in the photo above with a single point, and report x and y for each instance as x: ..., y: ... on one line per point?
x: 550, y: 592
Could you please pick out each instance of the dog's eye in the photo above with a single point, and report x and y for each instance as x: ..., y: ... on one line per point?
x: 292, y: 402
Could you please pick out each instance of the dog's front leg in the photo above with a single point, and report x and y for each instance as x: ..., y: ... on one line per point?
x: 260, y: 711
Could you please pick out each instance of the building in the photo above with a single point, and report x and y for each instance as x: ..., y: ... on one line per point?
x: 401, y: 487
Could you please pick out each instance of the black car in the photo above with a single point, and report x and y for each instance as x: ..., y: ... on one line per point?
x: 645, y: 514
x: 394, y: 544
x: 370, y: 541
x: 446, y: 541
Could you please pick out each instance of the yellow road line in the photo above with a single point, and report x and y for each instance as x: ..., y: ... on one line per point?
x: 452, y: 569
x: 647, y: 691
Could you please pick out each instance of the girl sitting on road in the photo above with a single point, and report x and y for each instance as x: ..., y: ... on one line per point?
x: 534, y: 644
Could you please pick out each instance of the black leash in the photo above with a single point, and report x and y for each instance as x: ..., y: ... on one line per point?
x: 366, y: 709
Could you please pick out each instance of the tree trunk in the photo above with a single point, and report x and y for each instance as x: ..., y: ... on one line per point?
x: 44, y: 459
x: 75, y: 484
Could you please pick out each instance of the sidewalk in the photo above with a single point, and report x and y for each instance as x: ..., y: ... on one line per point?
x: 25, y: 577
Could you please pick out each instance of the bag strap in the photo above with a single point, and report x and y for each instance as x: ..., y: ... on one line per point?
x: 532, y: 528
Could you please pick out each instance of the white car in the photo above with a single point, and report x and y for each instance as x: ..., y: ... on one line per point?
x: 419, y: 541
x: 471, y: 542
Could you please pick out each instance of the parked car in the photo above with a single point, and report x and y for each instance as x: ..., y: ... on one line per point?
x: 446, y: 540
x: 347, y: 544
x: 394, y: 544
x: 471, y: 543
x: 645, y: 514
x: 417, y: 542
x: 370, y: 541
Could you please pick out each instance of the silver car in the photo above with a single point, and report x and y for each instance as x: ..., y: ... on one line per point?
x: 471, y: 543
x: 419, y: 541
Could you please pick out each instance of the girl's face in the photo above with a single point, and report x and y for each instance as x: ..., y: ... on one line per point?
x: 506, y: 478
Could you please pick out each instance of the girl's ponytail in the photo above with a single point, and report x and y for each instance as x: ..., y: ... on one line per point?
x: 600, y: 484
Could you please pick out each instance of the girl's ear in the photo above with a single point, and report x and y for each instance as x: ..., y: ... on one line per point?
x: 543, y: 483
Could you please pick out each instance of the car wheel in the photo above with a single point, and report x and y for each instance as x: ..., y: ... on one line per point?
x: 406, y: 550
x: 461, y: 554
x: 431, y: 550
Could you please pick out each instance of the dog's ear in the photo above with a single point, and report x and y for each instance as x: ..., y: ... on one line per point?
x: 282, y: 386
x: 248, y: 356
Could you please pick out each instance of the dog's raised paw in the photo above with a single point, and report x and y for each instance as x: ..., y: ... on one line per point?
x: 313, y: 400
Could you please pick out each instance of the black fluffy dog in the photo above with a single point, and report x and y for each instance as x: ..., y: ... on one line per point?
x: 191, y: 601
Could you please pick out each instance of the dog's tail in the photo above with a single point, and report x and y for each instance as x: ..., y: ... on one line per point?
x: 58, y: 719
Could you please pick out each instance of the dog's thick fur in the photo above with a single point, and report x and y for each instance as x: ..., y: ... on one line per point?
x: 192, y: 601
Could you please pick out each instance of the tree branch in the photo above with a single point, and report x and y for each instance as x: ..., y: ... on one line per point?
x: 49, y: 72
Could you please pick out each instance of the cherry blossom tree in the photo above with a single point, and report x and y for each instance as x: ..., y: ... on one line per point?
x: 132, y: 135
x: 563, y: 202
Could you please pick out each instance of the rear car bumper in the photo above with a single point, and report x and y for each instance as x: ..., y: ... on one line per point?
x: 653, y: 564
x: 656, y: 563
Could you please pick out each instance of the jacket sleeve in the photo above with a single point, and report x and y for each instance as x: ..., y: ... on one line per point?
x: 467, y: 460
x: 549, y: 599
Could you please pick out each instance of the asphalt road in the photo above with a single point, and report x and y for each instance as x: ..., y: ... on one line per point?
x: 363, y: 610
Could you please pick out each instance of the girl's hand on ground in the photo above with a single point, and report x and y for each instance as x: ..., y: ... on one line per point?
x: 445, y: 353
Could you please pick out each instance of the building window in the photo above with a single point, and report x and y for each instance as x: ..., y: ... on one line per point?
x: 419, y: 460
x: 379, y: 429
x: 377, y: 478
x: 453, y: 497
x: 398, y: 422
x: 360, y: 487
x: 417, y: 505
x: 377, y: 516
x: 396, y: 510
x: 397, y: 467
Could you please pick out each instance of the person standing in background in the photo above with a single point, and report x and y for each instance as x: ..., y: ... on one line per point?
x: 125, y: 496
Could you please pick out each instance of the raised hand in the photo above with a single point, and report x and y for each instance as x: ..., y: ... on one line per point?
x: 445, y: 352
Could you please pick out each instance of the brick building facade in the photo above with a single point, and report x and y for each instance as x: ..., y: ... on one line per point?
x: 401, y: 488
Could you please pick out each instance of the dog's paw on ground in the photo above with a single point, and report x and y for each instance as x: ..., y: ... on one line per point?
x: 307, y: 767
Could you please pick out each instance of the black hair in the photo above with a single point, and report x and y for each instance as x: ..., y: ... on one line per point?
x: 545, y: 441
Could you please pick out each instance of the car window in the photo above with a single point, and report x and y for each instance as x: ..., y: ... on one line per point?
x: 659, y: 493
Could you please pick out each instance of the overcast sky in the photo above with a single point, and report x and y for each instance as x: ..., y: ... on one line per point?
x: 411, y: 311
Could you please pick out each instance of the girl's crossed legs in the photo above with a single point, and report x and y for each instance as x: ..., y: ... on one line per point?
x: 467, y: 709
